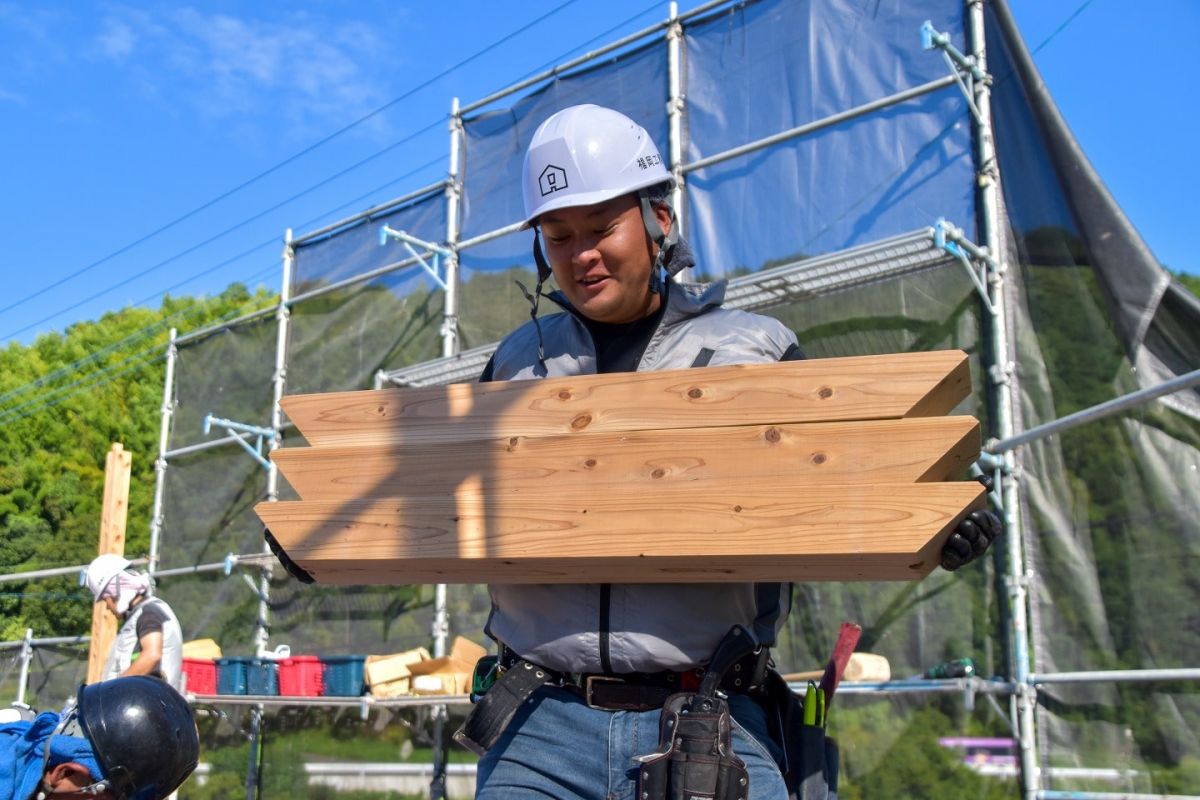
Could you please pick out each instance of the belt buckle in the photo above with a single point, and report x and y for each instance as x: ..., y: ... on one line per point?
x: 589, y: 683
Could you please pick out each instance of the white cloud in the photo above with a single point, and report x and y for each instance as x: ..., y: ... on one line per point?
x: 312, y: 72
x: 116, y: 41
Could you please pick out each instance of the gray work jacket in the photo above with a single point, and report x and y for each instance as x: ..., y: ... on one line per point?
x: 638, y: 627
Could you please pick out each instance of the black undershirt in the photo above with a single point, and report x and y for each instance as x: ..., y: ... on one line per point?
x: 619, y: 346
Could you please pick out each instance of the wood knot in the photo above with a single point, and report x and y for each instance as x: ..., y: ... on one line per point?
x: 819, y: 458
x: 513, y: 441
x: 917, y: 566
x: 737, y: 509
x: 658, y: 473
x: 773, y: 435
x: 825, y: 393
x: 591, y: 462
x: 695, y: 393
x: 381, y: 410
x: 564, y: 395
x: 581, y: 422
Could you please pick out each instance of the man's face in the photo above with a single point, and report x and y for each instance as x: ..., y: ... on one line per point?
x: 601, y: 257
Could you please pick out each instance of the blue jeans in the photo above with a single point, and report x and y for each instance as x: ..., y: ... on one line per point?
x: 557, y: 747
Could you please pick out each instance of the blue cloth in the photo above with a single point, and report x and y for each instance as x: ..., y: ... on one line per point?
x: 23, y: 749
x: 568, y: 751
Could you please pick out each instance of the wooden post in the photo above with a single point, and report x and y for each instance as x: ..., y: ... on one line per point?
x: 112, y: 540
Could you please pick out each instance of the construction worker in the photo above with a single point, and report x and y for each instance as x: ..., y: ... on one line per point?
x: 148, y: 625
x: 588, y: 667
x: 125, y: 739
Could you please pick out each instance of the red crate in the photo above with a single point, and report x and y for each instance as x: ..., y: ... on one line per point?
x: 201, y: 675
x: 300, y: 676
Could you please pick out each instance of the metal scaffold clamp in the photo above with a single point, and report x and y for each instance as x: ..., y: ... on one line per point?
x: 236, y: 431
x: 963, y: 67
x: 974, y: 258
x: 411, y: 243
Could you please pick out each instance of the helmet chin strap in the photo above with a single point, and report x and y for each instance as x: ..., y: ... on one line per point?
x: 666, y: 240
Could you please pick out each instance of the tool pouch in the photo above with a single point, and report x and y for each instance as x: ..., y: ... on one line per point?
x: 695, y: 759
x: 811, y: 759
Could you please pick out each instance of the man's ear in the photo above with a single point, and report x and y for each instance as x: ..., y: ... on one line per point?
x: 662, y: 213
x: 75, y: 775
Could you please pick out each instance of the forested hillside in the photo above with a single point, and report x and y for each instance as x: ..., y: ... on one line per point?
x: 64, y: 400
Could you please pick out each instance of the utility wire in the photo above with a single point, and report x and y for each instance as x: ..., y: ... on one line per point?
x: 1063, y: 26
x: 229, y: 230
x: 148, y: 330
x: 428, y: 82
x: 196, y: 309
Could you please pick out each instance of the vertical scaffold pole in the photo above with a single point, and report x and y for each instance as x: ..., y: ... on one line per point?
x: 1001, y: 381
x: 453, y: 198
x: 160, y: 463
x: 675, y: 105
x: 279, y: 382
x: 450, y: 347
x: 26, y: 657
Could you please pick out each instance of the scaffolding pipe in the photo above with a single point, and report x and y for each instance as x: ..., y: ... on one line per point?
x: 1116, y: 676
x: 361, y: 278
x: 675, y: 106
x: 816, y: 125
x: 226, y: 325
x: 586, y: 57
x: 167, y: 411
x: 1098, y: 411
x: 53, y: 572
x: 278, y: 383
x: 453, y: 193
x: 51, y: 641
x: 26, y: 657
x: 1049, y: 794
x: 1001, y: 373
x: 366, y: 216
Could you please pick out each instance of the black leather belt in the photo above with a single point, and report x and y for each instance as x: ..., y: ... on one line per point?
x: 643, y: 691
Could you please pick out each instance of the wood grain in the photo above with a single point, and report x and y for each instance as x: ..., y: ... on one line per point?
x: 752, y: 533
x: 878, y: 451
x: 820, y: 390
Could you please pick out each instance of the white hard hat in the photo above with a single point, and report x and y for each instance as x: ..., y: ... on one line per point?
x: 103, y: 569
x: 587, y: 154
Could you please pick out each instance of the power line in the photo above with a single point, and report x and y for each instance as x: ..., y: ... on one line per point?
x: 285, y: 162
x: 147, y: 330
x: 1063, y: 26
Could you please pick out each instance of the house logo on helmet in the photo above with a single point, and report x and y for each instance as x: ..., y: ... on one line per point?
x: 552, y: 179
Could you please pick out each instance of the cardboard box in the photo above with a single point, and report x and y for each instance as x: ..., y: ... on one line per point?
x: 201, y: 648
x: 388, y: 676
x: 450, y: 674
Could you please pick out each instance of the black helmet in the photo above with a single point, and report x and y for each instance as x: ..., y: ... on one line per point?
x: 143, y: 734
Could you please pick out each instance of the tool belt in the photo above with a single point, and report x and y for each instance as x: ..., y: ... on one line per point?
x: 518, y: 679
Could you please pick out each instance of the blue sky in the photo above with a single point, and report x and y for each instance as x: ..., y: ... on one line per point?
x: 119, y: 118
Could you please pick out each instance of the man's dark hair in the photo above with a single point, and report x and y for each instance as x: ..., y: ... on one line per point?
x: 660, y: 193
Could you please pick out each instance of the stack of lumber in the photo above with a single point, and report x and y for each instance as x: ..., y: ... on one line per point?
x: 830, y: 469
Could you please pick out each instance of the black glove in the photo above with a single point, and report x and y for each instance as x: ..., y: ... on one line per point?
x: 971, y: 539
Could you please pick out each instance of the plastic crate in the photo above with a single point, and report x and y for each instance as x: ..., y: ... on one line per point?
x: 200, y: 675
x: 262, y: 677
x: 301, y: 676
x: 343, y: 675
x: 246, y: 676
x: 231, y: 675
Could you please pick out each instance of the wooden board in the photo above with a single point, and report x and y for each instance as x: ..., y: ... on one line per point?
x: 819, y: 390
x: 875, y: 451
x: 833, y: 469
x: 750, y: 533
x: 114, y: 512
